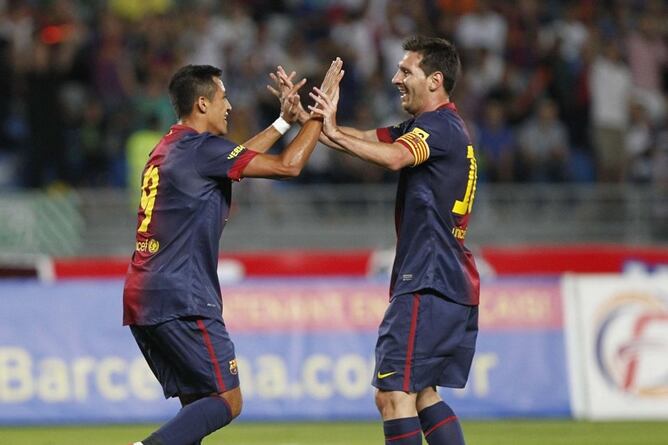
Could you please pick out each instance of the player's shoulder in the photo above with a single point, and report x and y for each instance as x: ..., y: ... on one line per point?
x: 444, y: 113
x: 212, y: 141
x: 444, y: 121
x: 431, y: 122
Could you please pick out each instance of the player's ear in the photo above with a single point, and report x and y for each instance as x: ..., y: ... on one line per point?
x: 436, y: 81
x: 201, y: 104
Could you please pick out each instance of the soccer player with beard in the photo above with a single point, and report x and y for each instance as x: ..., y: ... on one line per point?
x: 428, y: 334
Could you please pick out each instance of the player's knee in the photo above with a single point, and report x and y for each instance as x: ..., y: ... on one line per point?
x: 427, y: 397
x: 381, y: 400
x: 234, y: 401
x: 394, y: 404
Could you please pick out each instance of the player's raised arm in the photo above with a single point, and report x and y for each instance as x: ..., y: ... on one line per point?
x: 290, y: 105
x: 393, y: 156
x: 294, y: 157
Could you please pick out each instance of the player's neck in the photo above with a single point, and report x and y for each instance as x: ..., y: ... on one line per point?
x: 199, y: 125
x: 434, y: 102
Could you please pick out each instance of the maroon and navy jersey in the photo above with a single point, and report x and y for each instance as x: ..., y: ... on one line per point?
x: 185, y: 201
x: 434, y: 200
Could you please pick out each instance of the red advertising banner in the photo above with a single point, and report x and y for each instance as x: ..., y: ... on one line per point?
x: 359, y: 305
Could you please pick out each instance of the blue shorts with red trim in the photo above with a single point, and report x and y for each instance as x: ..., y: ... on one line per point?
x: 425, y: 340
x: 189, y: 356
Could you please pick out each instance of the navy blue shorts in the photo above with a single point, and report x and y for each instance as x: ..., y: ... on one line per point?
x: 189, y: 356
x: 425, y: 340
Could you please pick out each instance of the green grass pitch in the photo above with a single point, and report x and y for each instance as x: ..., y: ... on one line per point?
x: 504, y: 432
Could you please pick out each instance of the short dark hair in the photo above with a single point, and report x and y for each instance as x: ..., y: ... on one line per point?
x: 189, y: 83
x: 437, y: 55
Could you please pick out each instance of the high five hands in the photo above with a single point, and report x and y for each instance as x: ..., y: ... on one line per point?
x: 287, y: 94
x: 329, y: 89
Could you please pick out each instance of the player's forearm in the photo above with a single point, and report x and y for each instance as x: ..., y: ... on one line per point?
x: 369, y: 135
x: 264, y: 140
x: 390, y: 156
x: 297, y: 153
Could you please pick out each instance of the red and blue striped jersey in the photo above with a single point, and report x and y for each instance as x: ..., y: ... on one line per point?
x: 185, y: 201
x: 434, y: 200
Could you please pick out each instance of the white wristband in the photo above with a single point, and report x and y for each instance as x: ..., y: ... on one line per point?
x: 281, y: 125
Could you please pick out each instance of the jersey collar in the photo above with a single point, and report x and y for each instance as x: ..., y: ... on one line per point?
x: 178, y: 128
x: 448, y: 105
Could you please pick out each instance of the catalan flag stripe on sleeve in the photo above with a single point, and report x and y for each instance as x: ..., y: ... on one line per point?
x: 417, y: 146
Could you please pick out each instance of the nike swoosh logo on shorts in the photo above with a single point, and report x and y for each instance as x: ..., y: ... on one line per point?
x: 386, y: 374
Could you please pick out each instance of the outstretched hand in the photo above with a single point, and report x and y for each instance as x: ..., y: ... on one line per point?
x: 327, y: 99
x: 332, y: 77
x: 287, y: 94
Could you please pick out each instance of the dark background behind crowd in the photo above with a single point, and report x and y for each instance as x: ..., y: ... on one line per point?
x: 552, y: 91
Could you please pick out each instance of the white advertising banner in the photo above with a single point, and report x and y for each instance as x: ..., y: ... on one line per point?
x: 617, y: 343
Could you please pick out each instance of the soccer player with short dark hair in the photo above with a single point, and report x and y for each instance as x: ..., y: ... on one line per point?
x: 172, y: 299
x: 428, y: 334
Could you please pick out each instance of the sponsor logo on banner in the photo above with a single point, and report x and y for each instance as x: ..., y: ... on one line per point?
x: 632, y: 343
x: 305, y: 351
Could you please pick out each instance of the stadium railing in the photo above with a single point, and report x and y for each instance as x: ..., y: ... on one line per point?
x: 269, y: 215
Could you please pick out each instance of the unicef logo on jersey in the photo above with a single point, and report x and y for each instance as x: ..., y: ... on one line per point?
x: 632, y: 343
x: 150, y: 245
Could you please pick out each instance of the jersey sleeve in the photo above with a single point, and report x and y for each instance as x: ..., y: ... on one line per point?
x: 222, y: 159
x: 421, y: 138
x: 390, y: 134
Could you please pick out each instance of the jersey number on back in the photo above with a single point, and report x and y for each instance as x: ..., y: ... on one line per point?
x: 149, y: 189
x: 463, y: 207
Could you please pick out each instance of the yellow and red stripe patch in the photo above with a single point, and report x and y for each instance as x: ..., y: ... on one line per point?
x: 416, y: 141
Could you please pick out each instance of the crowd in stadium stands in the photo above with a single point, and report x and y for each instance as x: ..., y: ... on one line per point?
x: 553, y: 91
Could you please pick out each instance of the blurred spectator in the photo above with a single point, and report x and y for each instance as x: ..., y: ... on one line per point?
x: 610, y: 87
x: 638, y: 145
x: 91, y: 144
x: 270, y: 51
x: 569, y: 32
x: 496, y: 144
x: 660, y: 164
x: 457, y: 7
x: 138, y: 147
x: 648, y: 58
x: 46, y: 71
x: 660, y: 181
x: 544, y: 149
x: 524, y: 21
x: 17, y: 25
x: 114, y: 76
x: 203, y: 39
x: 300, y: 57
x: 397, y: 26
x: 135, y: 11
x: 352, y: 31
x: 482, y: 28
x: 5, y: 91
x: 484, y: 71
x: 150, y: 103
x: 78, y: 77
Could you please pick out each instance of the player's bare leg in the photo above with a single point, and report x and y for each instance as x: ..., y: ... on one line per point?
x: 426, y: 398
x: 400, y: 421
x: 439, y: 423
x: 234, y: 400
